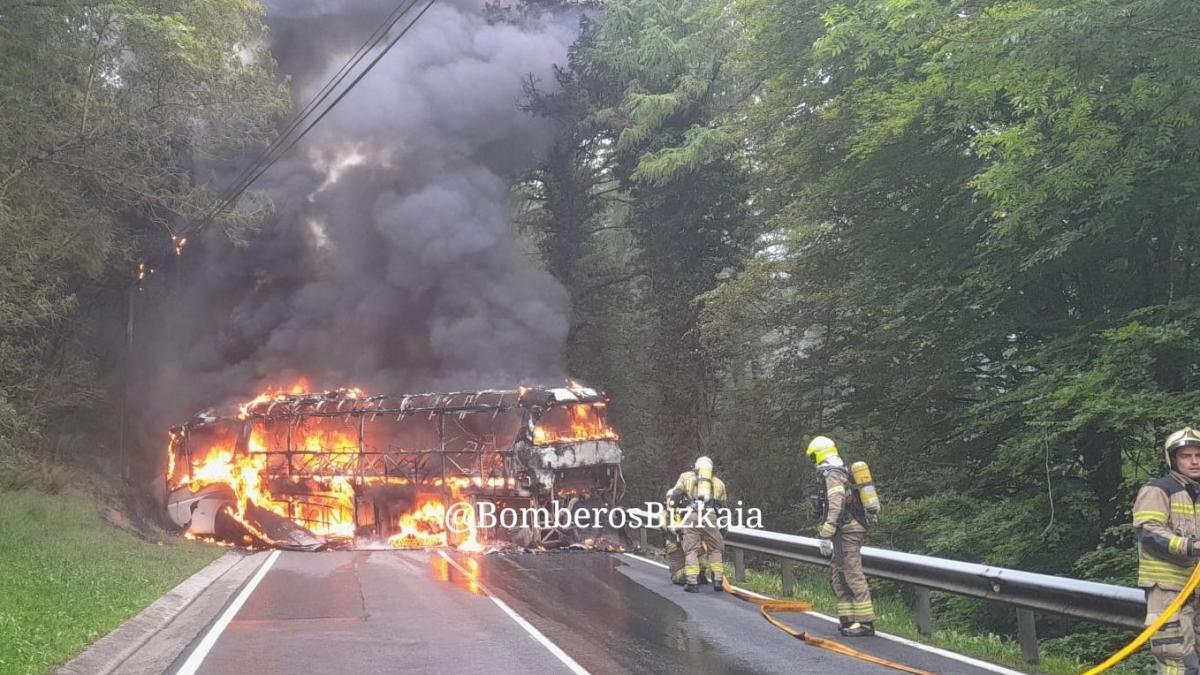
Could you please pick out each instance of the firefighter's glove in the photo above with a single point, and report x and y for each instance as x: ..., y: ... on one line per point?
x: 872, y: 519
x: 1193, y: 548
x: 826, y: 548
x: 827, y: 530
x: 679, y: 500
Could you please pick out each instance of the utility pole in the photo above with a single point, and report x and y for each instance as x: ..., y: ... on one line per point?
x: 133, y: 291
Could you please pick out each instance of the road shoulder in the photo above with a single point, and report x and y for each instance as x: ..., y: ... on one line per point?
x: 150, y: 641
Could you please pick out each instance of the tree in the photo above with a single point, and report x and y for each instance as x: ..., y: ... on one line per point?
x: 981, y: 219
x: 641, y: 206
x: 115, y: 116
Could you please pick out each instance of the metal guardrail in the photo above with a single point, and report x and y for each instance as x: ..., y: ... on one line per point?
x: 1027, y: 591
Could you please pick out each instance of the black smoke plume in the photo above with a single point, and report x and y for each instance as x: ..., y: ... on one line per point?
x: 390, y: 262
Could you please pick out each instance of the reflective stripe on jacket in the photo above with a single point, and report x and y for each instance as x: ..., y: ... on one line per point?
x: 1164, y: 517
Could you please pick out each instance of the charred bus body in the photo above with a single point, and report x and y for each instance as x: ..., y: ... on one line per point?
x: 302, y: 470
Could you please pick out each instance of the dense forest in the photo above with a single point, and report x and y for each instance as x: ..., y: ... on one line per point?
x: 114, y: 118
x: 959, y: 237
x: 956, y: 235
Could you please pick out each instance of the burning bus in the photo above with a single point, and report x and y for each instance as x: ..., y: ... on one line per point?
x: 310, y: 470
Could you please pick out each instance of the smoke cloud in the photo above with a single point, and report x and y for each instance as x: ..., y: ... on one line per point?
x: 391, y: 262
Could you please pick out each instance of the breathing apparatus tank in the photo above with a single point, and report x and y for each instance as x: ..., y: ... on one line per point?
x: 866, y: 487
x: 704, y: 479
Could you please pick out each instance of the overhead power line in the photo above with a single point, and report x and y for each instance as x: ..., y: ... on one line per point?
x: 272, y: 152
x: 291, y: 144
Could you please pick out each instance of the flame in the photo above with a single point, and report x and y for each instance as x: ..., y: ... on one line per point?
x: 326, y: 504
x: 585, y: 423
x: 179, y: 243
x: 171, y: 455
x: 331, y: 516
x: 471, y: 542
x: 424, y: 527
x: 300, y: 388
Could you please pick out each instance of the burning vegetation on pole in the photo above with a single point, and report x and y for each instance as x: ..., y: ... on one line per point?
x: 301, y: 470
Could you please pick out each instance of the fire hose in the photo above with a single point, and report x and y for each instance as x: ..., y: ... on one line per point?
x: 769, y: 605
x: 1171, y: 610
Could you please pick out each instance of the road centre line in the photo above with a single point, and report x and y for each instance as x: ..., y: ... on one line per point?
x: 194, y: 660
x: 554, y: 649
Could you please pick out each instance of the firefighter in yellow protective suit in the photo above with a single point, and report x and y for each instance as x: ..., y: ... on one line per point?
x: 842, y: 531
x: 673, y: 541
x: 704, y: 494
x: 1164, y: 516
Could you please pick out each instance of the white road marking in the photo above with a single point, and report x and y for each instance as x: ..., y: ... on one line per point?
x: 886, y: 636
x: 667, y: 567
x: 554, y: 649
x: 197, y: 656
x: 647, y: 560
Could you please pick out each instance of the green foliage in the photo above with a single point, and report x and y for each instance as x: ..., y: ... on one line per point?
x: 964, y: 245
x: 639, y: 208
x: 700, y: 147
x: 110, y: 112
x: 67, y: 577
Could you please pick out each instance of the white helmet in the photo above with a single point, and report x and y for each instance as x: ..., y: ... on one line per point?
x: 703, y: 463
x: 1185, y: 437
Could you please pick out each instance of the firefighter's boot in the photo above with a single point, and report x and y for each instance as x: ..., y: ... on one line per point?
x: 719, y: 585
x: 692, y: 588
x: 857, y: 629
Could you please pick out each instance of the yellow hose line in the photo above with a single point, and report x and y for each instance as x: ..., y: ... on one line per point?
x: 1140, y: 640
x: 768, y: 605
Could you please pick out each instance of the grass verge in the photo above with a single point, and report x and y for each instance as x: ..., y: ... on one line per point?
x: 68, y: 577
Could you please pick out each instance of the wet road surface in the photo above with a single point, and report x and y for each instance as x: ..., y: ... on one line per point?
x: 437, y: 612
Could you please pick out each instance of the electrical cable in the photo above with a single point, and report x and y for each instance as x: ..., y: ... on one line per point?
x: 319, y: 97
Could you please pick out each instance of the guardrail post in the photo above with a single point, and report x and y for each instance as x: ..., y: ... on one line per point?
x: 787, y: 577
x: 1027, y: 634
x: 739, y: 565
x: 642, y: 537
x: 923, y: 610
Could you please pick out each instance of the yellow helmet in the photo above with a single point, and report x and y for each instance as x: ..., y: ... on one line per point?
x: 1186, y: 436
x: 820, y: 449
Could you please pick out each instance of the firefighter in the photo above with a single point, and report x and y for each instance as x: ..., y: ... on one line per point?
x: 704, y: 494
x: 673, y: 540
x: 843, y: 528
x: 1164, y: 517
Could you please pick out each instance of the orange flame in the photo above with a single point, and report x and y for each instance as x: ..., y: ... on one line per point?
x: 423, y: 527
x: 326, y: 504
x: 332, y: 517
x: 584, y: 422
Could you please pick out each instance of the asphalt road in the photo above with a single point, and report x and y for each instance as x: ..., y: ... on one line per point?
x: 431, y: 612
